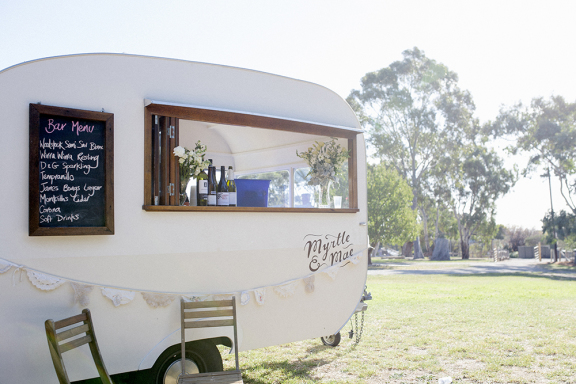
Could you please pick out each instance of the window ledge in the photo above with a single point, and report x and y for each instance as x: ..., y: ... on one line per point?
x: 175, y: 208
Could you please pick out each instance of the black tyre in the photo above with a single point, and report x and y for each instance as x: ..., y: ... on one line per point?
x: 201, y: 356
x: 332, y: 340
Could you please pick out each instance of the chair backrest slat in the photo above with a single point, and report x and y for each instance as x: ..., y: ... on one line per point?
x: 74, y: 343
x: 56, y: 349
x: 206, y: 314
x: 195, y: 315
x: 69, y: 321
x: 72, y: 332
x: 209, y: 323
x: 206, y: 304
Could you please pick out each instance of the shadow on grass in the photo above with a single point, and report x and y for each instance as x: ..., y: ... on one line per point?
x: 284, y: 370
x: 562, y: 266
x: 569, y: 277
x: 136, y: 377
x: 538, y: 271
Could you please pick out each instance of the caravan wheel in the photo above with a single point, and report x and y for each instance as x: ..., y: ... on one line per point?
x: 332, y: 340
x: 201, y: 356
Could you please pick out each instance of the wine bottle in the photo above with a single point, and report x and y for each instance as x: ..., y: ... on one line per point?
x: 231, y: 187
x: 222, y: 197
x: 202, y: 189
x: 212, y: 186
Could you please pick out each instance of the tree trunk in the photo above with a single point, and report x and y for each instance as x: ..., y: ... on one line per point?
x: 465, y: 248
x: 417, y: 250
x: 464, y: 237
x: 407, y: 249
x: 437, y: 220
x: 425, y: 227
x: 441, y: 250
x: 373, y: 252
x: 465, y: 243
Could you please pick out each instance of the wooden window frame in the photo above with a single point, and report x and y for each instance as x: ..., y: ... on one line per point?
x: 246, y: 120
x: 107, y: 119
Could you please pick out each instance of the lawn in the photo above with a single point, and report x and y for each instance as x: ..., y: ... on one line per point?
x: 473, y: 328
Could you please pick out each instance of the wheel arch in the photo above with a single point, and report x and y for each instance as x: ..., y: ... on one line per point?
x: 164, y: 347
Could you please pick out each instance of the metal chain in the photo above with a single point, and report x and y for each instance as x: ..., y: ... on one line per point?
x: 359, y: 330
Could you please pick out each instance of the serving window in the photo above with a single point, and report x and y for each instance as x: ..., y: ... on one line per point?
x: 257, y: 147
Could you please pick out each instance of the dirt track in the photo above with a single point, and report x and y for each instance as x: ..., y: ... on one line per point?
x: 512, y: 266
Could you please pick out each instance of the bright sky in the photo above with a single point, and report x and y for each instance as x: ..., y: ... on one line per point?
x: 503, y: 51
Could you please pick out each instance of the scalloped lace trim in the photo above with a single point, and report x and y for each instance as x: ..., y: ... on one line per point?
x: 286, y: 290
x: 43, y: 281
x: 81, y: 292
x: 156, y: 300
x: 260, y: 295
x: 118, y: 296
x: 332, y: 272
x: 244, y: 297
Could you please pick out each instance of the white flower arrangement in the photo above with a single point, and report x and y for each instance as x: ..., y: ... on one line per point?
x: 325, y: 161
x: 191, y: 162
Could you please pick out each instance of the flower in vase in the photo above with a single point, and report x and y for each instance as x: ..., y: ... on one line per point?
x: 325, y: 161
x: 191, y: 161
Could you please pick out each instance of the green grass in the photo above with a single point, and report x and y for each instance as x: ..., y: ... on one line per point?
x: 562, y: 266
x: 474, y: 328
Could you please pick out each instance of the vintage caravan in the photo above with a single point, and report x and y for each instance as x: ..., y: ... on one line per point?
x: 91, y: 215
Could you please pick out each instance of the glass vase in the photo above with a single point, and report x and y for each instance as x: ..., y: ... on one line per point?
x: 324, y: 194
x: 183, y: 196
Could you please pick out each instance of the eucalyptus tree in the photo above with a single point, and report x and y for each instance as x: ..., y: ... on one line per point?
x: 474, y: 177
x: 390, y: 217
x: 546, y: 130
x: 410, y: 109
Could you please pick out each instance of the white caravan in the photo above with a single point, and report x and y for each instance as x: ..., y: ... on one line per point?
x: 297, y: 270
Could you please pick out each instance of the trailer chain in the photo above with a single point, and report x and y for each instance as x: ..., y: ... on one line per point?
x: 359, y: 330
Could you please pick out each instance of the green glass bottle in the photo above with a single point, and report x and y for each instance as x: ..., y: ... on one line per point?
x: 222, y: 197
x: 231, y: 187
x: 202, y: 189
x: 212, y: 185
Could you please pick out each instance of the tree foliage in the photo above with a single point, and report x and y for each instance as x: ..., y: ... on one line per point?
x: 564, y: 224
x: 423, y: 124
x: 410, y: 109
x: 390, y: 217
x: 518, y: 237
x: 546, y: 130
x: 474, y: 177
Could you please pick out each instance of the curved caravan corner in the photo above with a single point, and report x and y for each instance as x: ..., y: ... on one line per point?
x: 297, y: 271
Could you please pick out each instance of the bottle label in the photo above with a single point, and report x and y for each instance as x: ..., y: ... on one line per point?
x: 232, y: 198
x: 211, y: 199
x: 203, y: 187
x: 223, y: 198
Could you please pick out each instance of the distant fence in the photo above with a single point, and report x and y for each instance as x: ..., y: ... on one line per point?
x: 500, y: 254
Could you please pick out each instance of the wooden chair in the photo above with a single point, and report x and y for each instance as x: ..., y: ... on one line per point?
x: 207, y: 314
x: 57, y: 349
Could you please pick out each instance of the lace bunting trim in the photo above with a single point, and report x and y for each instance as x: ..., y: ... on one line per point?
x: 81, y: 292
x: 118, y: 296
x: 260, y: 295
x: 309, y: 281
x: 244, y: 297
x: 332, y: 272
x: 43, y: 281
x: 286, y: 290
x: 156, y: 300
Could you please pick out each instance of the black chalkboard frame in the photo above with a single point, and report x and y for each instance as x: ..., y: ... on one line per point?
x: 34, y: 228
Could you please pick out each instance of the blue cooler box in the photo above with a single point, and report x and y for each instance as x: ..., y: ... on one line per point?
x: 252, y: 192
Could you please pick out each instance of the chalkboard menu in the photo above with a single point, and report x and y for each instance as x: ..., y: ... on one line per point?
x: 71, y: 172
